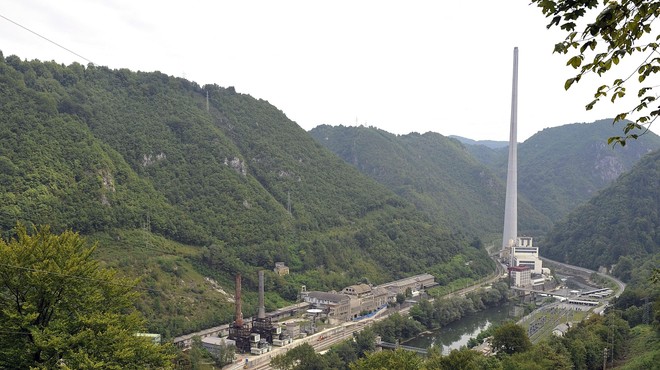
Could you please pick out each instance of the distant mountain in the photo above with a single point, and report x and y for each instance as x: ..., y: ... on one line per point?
x: 562, y: 167
x: 185, y: 192
x: 621, y: 220
x: 487, y: 143
x: 434, y: 172
x: 495, y: 159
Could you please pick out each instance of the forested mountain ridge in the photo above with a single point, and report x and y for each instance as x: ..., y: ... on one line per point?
x: 562, y: 167
x: 622, y: 220
x: 493, y: 144
x: 119, y: 155
x: 434, y: 172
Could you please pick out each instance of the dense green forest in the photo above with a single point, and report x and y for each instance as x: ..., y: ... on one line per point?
x: 434, y: 172
x: 622, y: 220
x: 178, y: 192
x: 562, y: 167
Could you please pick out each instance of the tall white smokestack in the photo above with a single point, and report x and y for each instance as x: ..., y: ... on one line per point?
x: 510, y: 233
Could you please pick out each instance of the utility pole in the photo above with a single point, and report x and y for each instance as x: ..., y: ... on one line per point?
x: 207, y: 101
x: 646, y: 315
x: 288, y: 202
x: 147, y: 231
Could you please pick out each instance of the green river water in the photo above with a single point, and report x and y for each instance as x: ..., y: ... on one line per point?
x: 456, y: 334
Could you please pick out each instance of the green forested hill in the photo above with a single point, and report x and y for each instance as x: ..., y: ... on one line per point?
x: 175, y: 193
x: 622, y: 220
x: 562, y: 167
x: 434, y: 172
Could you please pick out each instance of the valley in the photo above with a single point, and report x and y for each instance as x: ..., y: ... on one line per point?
x: 179, y: 187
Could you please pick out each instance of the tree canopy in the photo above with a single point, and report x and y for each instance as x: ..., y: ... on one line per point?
x: 511, y: 338
x: 599, y: 34
x: 58, y: 307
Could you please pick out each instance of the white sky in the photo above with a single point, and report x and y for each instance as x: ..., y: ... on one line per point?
x: 442, y: 66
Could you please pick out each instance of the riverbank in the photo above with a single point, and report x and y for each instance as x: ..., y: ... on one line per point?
x: 457, y: 334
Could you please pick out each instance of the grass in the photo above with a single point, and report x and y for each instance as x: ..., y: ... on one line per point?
x: 175, y: 298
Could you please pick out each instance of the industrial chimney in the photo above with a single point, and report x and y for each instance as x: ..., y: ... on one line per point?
x: 510, y: 232
x: 262, y: 307
x: 238, y: 321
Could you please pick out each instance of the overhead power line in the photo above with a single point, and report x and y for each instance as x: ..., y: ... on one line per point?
x: 47, y: 39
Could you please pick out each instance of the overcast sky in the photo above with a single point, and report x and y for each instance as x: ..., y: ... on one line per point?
x: 441, y: 66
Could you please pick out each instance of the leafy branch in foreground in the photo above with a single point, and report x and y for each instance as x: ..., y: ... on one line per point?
x: 59, y: 308
x: 619, y: 30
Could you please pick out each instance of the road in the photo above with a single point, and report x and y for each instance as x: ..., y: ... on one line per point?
x: 621, y: 286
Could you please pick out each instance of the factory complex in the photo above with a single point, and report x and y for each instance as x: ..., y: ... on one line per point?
x: 259, y: 334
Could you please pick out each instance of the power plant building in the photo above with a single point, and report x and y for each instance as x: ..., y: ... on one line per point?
x: 525, y: 254
x: 521, y: 276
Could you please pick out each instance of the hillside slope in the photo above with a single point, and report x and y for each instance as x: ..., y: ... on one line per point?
x: 622, y: 220
x: 436, y: 173
x: 138, y: 162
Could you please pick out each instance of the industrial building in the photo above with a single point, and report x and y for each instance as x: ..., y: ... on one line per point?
x: 520, y: 276
x: 414, y: 283
x: 523, y: 253
x: 215, y: 345
x: 356, y: 299
x: 337, y: 307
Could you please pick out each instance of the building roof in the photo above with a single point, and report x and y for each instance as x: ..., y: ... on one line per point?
x: 379, y: 291
x: 217, y: 341
x: 331, y: 297
x: 411, y: 280
x: 359, y: 288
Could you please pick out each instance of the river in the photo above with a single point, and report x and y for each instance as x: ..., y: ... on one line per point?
x: 456, y: 334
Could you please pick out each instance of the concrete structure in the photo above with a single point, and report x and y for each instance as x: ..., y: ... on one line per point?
x: 359, y: 298
x: 415, y: 283
x: 336, y: 306
x: 520, y: 276
x: 292, y: 330
x: 364, y: 298
x: 215, y: 345
x: 524, y: 253
x: 561, y: 329
x: 281, y: 269
x: 263, y: 325
x: 358, y: 290
x: 510, y: 232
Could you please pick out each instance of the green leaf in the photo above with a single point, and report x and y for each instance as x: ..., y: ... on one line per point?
x: 568, y: 83
x: 620, y: 117
x: 575, y: 61
x: 590, y: 106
